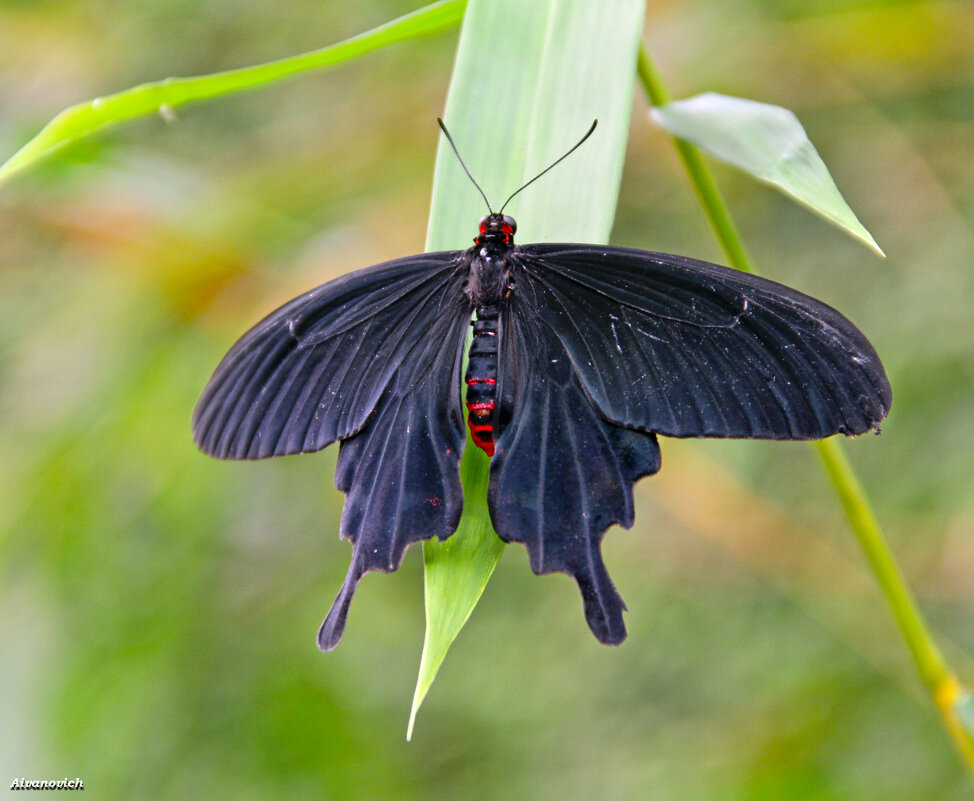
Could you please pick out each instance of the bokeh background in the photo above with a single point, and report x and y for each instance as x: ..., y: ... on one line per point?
x: 158, y: 608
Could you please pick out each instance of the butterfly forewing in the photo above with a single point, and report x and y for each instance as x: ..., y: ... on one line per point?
x: 684, y: 348
x: 313, y: 371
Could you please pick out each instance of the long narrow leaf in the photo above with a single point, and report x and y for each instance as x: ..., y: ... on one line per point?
x: 528, y: 81
x: 86, y: 118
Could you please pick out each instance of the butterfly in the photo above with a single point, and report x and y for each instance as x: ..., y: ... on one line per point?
x: 581, y: 356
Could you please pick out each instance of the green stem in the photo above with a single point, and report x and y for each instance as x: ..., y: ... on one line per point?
x: 700, y: 176
x: 937, y: 676
x: 932, y: 668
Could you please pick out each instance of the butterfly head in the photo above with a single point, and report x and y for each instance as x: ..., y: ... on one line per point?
x: 496, y: 228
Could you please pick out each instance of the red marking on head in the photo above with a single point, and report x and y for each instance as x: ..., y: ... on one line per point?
x: 481, y: 381
x: 472, y: 406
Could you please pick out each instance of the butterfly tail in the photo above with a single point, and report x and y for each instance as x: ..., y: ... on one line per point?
x: 333, y: 627
x: 603, y: 604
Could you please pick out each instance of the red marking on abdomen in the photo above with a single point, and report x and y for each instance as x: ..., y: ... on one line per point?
x: 483, y: 438
x: 481, y: 378
x: 481, y: 433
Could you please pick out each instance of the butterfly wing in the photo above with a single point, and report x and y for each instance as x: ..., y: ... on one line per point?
x: 561, y: 473
x: 601, y: 348
x: 372, y: 359
x: 401, y: 473
x: 312, y: 372
x: 685, y: 348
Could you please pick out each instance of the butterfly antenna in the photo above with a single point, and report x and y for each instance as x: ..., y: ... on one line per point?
x: 460, y: 159
x: 536, y: 177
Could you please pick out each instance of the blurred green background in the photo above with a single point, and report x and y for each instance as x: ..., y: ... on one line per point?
x: 158, y: 608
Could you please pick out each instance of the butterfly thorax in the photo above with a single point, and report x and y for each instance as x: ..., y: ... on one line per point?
x: 489, y: 269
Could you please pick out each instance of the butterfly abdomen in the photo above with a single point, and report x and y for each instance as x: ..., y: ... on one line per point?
x: 481, y: 379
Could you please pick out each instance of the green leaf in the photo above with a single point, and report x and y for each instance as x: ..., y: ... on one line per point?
x: 163, y: 96
x: 529, y: 79
x: 457, y: 571
x: 769, y: 143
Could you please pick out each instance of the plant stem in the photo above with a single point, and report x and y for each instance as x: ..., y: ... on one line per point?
x: 945, y: 690
x: 701, y: 178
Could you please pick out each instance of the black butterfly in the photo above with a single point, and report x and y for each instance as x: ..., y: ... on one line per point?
x: 581, y: 355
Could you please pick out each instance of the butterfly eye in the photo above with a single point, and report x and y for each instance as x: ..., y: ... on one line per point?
x: 509, y: 223
x: 483, y: 225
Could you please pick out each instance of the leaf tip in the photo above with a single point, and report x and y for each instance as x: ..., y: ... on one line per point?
x: 873, y: 245
x: 412, y: 721
x: 855, y: 229
x: 423, y: 682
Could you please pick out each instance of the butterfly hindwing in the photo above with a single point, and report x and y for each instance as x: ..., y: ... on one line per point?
x: 561, y: 473
x: 401, y: 473
x: 683, y: 348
